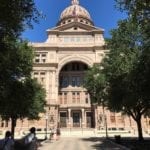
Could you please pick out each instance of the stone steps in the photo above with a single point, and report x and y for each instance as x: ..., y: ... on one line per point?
x: 77, y: 132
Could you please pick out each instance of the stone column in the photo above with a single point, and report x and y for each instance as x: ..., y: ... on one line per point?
x: 69, y: 118
x: 83, y: 118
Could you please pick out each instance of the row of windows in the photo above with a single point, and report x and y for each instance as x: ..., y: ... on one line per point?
x: 113, y: 119
x: 39, y: 73
x: 80, y: 20
x: 76, y: 39
x: 119, y: 119
x: 74, y: 81
x: 75, y: 98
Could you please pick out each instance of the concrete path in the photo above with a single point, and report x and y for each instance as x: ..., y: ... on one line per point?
x: 80, y: 144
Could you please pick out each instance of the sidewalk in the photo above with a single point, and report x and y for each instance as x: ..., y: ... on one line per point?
x: 81, y: 144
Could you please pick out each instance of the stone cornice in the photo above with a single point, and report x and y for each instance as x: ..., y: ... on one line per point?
x: 52, y: 64
x: 92, y: 32
x: 48, y: 47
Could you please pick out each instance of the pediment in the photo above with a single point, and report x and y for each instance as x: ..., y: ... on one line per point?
x: 75, y: 26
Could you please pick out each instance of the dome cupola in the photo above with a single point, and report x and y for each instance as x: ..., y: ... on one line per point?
x: 75, y: 12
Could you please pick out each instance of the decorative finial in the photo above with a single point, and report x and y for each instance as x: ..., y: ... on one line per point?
x: 75, y: 2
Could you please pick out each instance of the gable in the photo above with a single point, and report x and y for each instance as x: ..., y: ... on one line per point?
x: 75, y: 26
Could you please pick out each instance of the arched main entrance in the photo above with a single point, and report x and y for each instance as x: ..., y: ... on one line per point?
x: 74, y: 100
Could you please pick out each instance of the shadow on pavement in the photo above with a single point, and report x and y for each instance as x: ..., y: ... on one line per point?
x: 101, y: 143
x: 134, y: 144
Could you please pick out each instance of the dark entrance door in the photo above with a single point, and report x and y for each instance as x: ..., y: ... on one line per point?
x: 76, y: 119
x: 89, y: 119
x: 63, y: 119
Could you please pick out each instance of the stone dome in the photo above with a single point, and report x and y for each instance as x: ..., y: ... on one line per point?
x: 76, y: 12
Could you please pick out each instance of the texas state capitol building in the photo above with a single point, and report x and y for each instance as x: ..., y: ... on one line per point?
x: 73, y: 46
x: 60, y: 64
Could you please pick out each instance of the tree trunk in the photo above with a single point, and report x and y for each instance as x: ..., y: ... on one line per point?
x: 13, y: 125
x: 139, y: 127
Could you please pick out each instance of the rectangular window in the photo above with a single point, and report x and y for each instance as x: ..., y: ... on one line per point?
x: 42, y: 73
x: 43, y: 60
x: 120, y: 119
x: 64, y: 81
x: 37, y: 55
x: 37, y: 60
x: 40, y: 58
x: 35, y: 73
x: 73, y: 81
x: 78, y: 97
x: 43, y: 55
x: 65, y: 98
x: 112, y: 119
x: 78, y: 81
x: 86, y: 98
x: 73, y: 97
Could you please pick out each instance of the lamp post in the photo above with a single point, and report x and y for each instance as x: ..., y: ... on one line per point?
x: 46, y: 126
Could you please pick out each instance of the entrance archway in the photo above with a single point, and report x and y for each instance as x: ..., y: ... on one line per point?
x: 73, y: 98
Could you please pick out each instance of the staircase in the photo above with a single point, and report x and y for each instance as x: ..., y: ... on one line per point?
x: 77, y: 132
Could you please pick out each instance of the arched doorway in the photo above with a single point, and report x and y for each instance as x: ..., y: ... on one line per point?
x: 74, y: 101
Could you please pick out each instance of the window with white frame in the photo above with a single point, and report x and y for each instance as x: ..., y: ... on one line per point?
x: 40, y: 76
x: 40, y: 58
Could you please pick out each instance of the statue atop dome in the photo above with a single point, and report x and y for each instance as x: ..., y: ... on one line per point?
x: 75, y: 2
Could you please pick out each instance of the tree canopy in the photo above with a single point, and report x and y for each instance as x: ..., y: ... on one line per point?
x: 127, y: 66
x: 15, y: 16
x: 124, y: 70
x: 20, y: 95
x: 95, y: 83
x: 23, y: 99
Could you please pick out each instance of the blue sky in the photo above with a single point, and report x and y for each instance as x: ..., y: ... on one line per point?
x: 103, y: 13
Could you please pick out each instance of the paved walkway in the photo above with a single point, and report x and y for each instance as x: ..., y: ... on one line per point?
x: 80, y: 144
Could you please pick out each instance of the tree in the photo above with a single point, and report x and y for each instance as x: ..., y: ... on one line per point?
x: 15, y: 62
x: 23, y: 99
x: 20, y: 96
x: 95, y: 83
x: 126, y: 83
x: 16, y: 59
x: 15, y: 16
x: 137, y: 9
x: 139, y: 12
